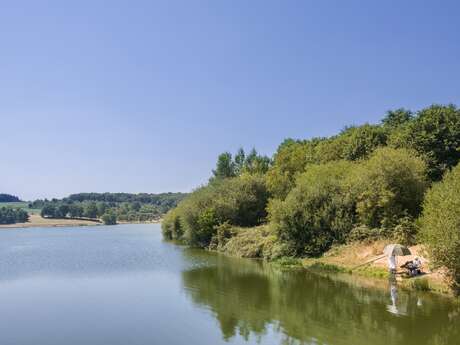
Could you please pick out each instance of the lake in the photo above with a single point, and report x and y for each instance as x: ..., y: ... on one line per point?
x: 124, y: 285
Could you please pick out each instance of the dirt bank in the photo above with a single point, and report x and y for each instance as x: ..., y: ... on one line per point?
x: 359, y: 259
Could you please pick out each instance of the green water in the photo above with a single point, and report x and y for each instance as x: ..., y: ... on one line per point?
x: 124, y: 285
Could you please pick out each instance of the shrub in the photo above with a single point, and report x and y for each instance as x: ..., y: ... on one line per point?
x: 364, y: 233
x: 10, y: 216
x: 435, y: 134
x: 440, y: 223
x: 171, y: 226
x: 405, y: 232
x: 388, y: 186
x: 240, y: 201
x: 109, y: 218
x: 248, y: 242
x: 316, y: 212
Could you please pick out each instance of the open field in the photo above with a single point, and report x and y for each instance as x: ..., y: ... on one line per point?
x: 23, y: 205
x: 37, y: 221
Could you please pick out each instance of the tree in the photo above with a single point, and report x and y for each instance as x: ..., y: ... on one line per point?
x: 90, y: 210
x: 435, y: 134
x: 9, y: 215
x: 225, y: 166
x: 361, y: 141
x: 289, y: 161
x: 317, y: 212
x: 101, y: 208
x: 388, y: 187
x: 76, y: 210
x: 440, y: 224
x: 241, y: 201
x: 396, y: 118
x: 9, y: 198
x: 48, y: 211
x: 255, y: 163
x: 136, y: 206
x: 240, y: 160
x: 171, y: 225
x: 109, y: 218
x: 62, y: 211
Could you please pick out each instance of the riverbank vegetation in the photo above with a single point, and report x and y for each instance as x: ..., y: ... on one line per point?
x: 110, y: 207
x: 10, y: 215
x: 364, y: 184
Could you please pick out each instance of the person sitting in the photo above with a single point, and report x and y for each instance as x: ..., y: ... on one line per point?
x: 409, y: 266
x: 413, y: 267
x: 417, y: 266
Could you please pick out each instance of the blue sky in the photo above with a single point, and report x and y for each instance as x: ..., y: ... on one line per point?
x: 141, y: 96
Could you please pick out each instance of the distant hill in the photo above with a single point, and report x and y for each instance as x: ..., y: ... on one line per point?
x: 9, y: 198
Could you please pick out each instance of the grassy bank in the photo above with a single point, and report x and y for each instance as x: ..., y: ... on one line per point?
x: 359, y: 259
x: 36, y: 220
x: 21, y: 205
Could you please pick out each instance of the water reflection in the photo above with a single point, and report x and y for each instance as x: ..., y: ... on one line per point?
x: 397, y: 307
x: 250, y: 298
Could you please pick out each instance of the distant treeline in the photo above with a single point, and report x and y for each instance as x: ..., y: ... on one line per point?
x: 164, y: 199
x: 110, y: 207
x: 9, y: 198
x: 366, y: 182
x: 10, y: 215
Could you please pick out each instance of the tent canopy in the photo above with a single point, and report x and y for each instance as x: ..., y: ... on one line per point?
x: 396, y: 250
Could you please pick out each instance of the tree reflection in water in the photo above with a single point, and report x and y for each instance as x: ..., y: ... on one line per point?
x: 250, y: 298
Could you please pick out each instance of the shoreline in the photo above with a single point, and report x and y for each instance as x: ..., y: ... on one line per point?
x: 39, y: 222
x: 363, y: 261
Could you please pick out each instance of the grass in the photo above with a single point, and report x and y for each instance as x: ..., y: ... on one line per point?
x: 372, y: 272
x: 22, y: 205
x: 325, y: 267
x: 287, y: 262
x: 36, y: 220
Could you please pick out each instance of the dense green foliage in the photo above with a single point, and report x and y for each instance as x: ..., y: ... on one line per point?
x: 365, y: 183
x: 388, y: 186
x: 317, y: 211
x: 9, y: 198
x: 440, y: 223
x: 109, y: 218
x: 330, y: 200
x: 240, y: 201
x: 435, y: 134
x: 122, y: 206
x: 252, y: 163
x: 10, y: 215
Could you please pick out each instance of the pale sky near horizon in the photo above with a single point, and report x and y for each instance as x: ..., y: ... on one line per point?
x: 141, y: 96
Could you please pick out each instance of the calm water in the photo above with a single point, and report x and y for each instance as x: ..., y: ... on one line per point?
x: 124, y: 285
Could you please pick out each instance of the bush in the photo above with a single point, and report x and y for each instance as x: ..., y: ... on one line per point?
x: 109, y: 218
x: 247, y: 242
x: 364, y: 233
x: 171, y: 226
x: 405, y: 232
x: 240, y: 201
x: 388, y: 186
x: 317, y: 212
x: 440, y: 223
x: 435, y: 134
x: 10, y: 216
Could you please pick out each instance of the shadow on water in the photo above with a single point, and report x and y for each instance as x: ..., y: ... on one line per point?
x: 249, y: 298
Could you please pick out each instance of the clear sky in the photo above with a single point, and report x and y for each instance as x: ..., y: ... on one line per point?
x: 141, y: 96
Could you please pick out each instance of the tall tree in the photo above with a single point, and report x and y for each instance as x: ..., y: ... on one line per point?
x: 225, y: 166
